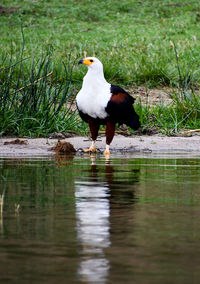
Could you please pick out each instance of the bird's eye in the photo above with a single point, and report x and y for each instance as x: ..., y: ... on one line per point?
x: 91, y: 60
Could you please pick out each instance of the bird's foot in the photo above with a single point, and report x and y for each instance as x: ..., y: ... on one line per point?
x: 106, y: 153
x: 91, y: 150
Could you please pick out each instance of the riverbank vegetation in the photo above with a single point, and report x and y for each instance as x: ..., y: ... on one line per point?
x: 141, y: 43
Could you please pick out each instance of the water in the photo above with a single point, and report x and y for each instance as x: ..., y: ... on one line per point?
x: 132, y: 219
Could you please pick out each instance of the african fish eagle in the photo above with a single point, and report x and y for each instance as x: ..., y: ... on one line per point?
x: 99, y: 102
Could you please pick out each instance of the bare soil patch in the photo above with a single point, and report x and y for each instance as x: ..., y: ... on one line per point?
x: 151, y: 97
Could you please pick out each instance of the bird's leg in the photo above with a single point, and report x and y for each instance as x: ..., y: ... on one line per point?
x: 110, y: 131
x: 91, y: 149
x: 94, y: 128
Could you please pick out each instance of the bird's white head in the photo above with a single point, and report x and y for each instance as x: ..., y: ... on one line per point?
x: 92, y: 63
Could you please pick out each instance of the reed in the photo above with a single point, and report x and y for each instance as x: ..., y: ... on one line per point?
x: 34, y: 101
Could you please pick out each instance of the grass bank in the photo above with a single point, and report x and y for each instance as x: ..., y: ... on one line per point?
x: 151, y: 43
x: 35, y: 101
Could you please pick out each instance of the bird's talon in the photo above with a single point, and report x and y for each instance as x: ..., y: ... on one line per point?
x: 90, y: 150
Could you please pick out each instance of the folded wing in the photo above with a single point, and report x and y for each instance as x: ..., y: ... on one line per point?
x: 120, y: 108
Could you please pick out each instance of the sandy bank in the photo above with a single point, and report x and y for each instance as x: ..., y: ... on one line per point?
x: 161, y: 144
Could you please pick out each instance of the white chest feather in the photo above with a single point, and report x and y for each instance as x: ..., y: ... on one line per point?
x: 94, y: 96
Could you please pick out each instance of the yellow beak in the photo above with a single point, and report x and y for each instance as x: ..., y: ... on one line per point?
x: 85, y: 61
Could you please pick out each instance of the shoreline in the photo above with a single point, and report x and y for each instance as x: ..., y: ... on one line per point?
x: 120, y: 144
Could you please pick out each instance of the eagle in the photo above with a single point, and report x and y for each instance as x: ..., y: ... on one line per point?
x: 101, y: 103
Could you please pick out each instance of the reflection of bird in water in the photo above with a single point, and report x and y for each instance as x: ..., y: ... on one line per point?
x: 121, y: 187
x: 96, y: 198
x: 92, y: 212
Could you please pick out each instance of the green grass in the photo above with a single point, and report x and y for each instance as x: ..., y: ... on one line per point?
x: 150, y: 42
x: 169, y: 120
x: 132, y: 38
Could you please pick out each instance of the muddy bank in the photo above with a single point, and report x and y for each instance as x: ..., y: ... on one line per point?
x: 41, y: 146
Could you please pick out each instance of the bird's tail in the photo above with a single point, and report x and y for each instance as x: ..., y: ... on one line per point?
x: 134, y: 121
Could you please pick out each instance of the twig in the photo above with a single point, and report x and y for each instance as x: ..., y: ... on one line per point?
x: 192, y: 130
x: 2, y: 202
x: 36, y: 81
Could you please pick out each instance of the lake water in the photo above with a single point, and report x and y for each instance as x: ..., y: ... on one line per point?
x: 81, y: 219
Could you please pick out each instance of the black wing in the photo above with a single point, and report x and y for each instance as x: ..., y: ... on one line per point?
x: 120, y: 108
